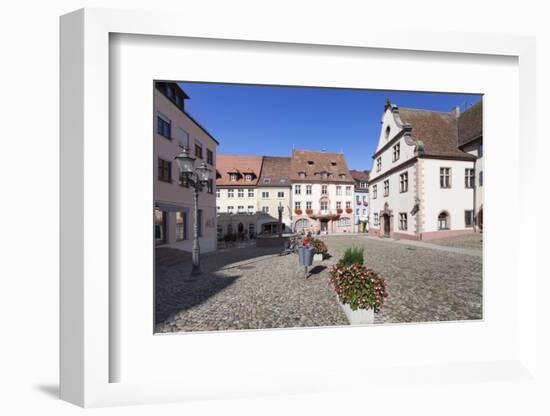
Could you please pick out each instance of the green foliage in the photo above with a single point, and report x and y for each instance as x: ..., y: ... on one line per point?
x: 352, y: 255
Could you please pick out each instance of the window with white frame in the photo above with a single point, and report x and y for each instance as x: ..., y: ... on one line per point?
x: 240, y: 209
x: 338, y: 204
x: 324, y: 206
x: 297, y: 205
x: 374, y: 191
x: 338, y: 190
x: 240, y: 193
x: 248, y: 177
x: 308, y: 189
x: 348, y: 204
x: 348, y: 190
x: 396, y: 152
x: 404, y: 182
x: 230, y: 193
x: 308, y: 204
x: 357, y: 211
x: 376, y: 219
x: 265, y: 210
x: 233, y: 177
x: 251, y: 193
x: 379, y: 164
x: 403, y: 221
x: 297, y: 189
x: 324, y: 190
x: 218, y: 193
x: 280, y: 194
x: 251, y: 209
x: 265, y: 194
x: 230, y: 209
x: 469, y: 178
x: 445, y: 177
x: 386, y: 188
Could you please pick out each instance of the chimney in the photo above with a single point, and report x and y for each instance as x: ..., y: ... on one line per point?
x: 456, y: 111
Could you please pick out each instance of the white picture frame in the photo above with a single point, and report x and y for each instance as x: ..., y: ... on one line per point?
x: 86, y: 263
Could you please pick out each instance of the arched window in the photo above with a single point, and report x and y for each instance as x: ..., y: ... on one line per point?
x: 344, y: 221
x: 301, y: 224
x: 443, y: 221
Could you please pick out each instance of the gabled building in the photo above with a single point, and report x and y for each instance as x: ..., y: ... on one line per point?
x: 423, y: 184
x: 175, y: 129
x: 237, y: 194
x: 322, y: 192
x: 274, y: 189
x: 361, y: 200
x: 470, y: 140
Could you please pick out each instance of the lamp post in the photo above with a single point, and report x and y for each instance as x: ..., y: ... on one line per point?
x: 196, y: 178
x: 280, y: 209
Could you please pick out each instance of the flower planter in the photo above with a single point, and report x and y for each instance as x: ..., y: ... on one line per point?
x: 318, y: 257
x: 359, y: 316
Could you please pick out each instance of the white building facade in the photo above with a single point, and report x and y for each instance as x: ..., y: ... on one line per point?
x: 421, y: 185
x: 361, y: 200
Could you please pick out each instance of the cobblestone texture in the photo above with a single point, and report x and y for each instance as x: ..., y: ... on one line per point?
x: 253, y: 288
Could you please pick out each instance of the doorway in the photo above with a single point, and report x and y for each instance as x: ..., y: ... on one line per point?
x: 386, y: 219
x: 324, y: 227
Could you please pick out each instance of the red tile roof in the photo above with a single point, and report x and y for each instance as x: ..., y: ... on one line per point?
x: 314, y: 163
x: 226, y: 164
x: 437, y: 131
x: 360, y: 175
x: 470, y: 124
x: 275, y: 171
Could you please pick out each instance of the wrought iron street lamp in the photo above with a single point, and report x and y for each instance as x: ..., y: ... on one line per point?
x: 196, y: 178
x: 280, y: 209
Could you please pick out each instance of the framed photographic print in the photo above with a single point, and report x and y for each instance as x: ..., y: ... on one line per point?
x: 236, y: 210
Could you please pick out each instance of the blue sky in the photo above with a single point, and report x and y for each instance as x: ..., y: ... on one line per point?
x: 266, y: 120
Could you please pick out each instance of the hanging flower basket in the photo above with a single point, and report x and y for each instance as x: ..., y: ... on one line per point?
x: 298, y: 211
x: 349, y: 210
x: 339, y: 210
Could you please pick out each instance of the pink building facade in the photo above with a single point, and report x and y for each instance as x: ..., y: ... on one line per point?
x: 173, y: 211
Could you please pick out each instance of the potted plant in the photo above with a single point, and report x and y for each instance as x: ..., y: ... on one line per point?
x: 339, y: 210
x: 319, y: 248
x: 349, y: 210
x: 298, y: 211
x: 360, y: 290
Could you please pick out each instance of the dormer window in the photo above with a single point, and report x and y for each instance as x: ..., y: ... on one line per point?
x: 323, y: 175
x: 333, y: 163
x: 233, y: 177
x: 267, y: 181
x: 302, y: 174
x: 310, y: 162
x: 342, y: 176
x: 248, y: 177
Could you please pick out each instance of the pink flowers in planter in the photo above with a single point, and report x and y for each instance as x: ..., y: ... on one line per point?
x: 358, y: 286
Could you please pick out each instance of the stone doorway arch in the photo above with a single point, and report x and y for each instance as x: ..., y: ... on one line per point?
x: 386, y: 221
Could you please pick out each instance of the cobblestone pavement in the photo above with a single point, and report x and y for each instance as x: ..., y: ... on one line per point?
x: 252, y: 288
x: 473, y: 241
